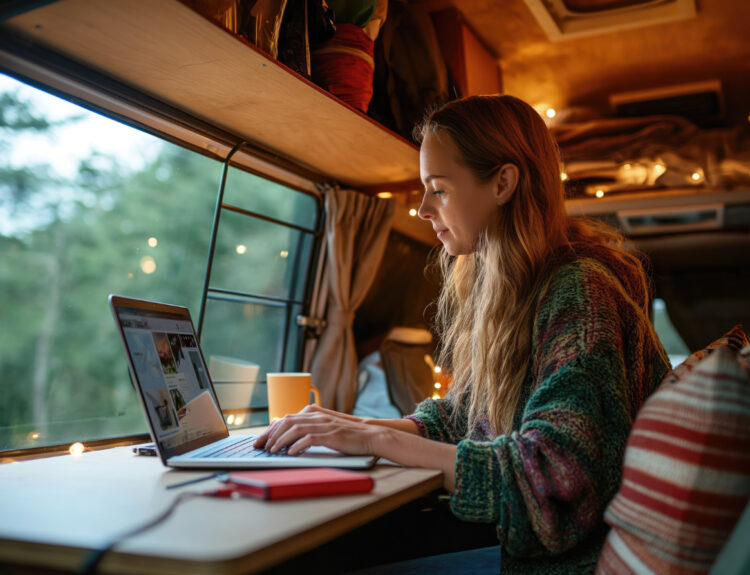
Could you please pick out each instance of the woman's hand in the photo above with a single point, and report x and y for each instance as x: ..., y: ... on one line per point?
x: 394, y: 439
x: 316, y: 425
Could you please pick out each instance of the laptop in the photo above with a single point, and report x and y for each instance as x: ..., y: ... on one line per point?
x: 175, y: 389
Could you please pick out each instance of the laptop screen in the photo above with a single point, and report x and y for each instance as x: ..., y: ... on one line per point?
x: 169, y: 374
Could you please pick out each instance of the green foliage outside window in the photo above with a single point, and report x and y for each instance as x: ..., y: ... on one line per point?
x: 112, y: 224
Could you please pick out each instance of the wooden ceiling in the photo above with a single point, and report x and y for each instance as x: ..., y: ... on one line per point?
x: 583, y: 72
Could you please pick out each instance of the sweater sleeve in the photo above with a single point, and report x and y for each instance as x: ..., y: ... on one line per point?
x: 546, y: 484
x: 435, y: 420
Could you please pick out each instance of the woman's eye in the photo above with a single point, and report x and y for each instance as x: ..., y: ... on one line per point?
x: 437, y: 192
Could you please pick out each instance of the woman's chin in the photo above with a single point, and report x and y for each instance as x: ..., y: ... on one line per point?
x: 454, y: 250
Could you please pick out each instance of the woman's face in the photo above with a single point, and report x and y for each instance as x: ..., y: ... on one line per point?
x: 458, y: 206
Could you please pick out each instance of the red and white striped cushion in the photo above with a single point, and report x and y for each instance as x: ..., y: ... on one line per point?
x: 686, y: 478
x: 735, y: 339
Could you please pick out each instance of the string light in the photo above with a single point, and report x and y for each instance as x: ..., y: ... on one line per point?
x: 241, y: 249
x: 438, y: 369
x: 412, y: 212
x: 600, y: 193
x: 148, y: 265
x: 76, y: 448
x: 153, y: 242
x: 564, y: 176
x: 284, y: 253
x: 385, y: 195
x: 437, y: 385
x: 230, y: 419
x: 551, y: 112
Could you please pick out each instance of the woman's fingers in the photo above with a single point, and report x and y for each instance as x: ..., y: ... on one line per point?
x: 351, y: 438
x: 266, y: 436
x: 286, y: 431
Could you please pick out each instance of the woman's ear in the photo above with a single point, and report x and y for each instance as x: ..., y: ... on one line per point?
x: 507, y: 182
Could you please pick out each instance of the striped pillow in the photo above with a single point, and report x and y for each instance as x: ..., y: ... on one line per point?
x: 686, y: 478
x: 735, y: 338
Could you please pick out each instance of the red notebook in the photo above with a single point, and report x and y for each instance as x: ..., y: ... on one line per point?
x: 296, y: 483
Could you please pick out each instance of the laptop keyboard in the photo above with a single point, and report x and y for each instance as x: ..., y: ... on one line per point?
x: 239, y: 448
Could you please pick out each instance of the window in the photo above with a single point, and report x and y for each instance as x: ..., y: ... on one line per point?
x: 263, y: 254
x: 88, y: 207
x: 670, y: 338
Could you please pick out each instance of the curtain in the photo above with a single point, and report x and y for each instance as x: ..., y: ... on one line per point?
x: 357, y: 228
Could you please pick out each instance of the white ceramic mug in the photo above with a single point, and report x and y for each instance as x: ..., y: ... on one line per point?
x: 289, y: 393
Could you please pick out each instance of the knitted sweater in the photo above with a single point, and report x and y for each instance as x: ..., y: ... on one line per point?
x: 546, y: 484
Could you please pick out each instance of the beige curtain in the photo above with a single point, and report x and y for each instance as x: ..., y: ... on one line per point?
x: 357, y: 228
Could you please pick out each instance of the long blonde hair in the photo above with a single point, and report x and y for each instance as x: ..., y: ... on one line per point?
x: 487, y: 305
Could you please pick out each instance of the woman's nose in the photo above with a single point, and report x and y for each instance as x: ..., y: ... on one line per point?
x: 425, y: 211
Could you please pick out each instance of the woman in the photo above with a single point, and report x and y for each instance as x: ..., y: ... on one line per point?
x: 544, y: 320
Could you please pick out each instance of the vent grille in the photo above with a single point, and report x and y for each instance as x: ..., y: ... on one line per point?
x: 672, y: 220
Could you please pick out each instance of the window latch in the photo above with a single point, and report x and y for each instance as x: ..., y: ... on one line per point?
x: 313, y: 324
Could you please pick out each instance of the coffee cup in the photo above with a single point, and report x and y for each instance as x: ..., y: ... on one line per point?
x: 289, y: 393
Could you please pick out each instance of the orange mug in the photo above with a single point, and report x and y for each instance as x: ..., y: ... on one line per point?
x: 289, y: 393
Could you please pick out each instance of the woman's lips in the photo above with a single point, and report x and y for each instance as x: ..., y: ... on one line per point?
x: 440, y: 232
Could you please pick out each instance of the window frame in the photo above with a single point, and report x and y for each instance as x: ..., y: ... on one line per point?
x: 55, y: 74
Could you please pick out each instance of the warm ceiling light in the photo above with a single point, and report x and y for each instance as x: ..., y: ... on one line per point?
x: 550, y: 113
x: 599, y: 193
x: 412, y: 212
x: 385, y: 195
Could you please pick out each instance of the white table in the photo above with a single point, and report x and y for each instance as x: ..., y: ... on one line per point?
x: 54, y: 510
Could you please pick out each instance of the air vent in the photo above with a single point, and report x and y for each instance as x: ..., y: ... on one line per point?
x: 702, y: 103
x: 563, y: 19
x: 671, y: 220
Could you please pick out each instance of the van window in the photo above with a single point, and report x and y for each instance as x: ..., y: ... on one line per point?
x: 674, y: 345
x: 88, y: 207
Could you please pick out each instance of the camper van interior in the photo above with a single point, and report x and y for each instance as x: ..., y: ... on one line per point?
x: 254, y: 161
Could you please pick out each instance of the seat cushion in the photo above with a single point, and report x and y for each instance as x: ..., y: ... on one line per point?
x: 686, y: 476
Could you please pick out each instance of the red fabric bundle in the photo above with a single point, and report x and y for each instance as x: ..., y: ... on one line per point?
x: 344, y: 65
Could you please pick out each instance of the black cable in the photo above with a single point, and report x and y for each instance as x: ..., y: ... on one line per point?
x: 94, y: 557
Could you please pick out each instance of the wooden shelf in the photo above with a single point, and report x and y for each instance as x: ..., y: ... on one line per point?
x: 174, y: 54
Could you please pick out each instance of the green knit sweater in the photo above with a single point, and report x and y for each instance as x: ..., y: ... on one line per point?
x: 545, y: 485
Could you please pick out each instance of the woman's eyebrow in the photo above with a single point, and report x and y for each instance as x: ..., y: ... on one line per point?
x: 428, y: 179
